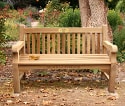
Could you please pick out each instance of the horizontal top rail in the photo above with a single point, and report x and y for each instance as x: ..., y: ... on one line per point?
x: 64, y: 30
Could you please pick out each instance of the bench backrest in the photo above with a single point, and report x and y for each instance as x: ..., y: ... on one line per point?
x: 74, y: 40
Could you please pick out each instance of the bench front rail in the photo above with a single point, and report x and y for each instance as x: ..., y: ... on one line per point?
x: 64, y: 48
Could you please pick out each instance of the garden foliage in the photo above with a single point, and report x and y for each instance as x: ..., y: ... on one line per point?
x: 70, y: 18
x: 3, y: 36
x: 119, y: 40
x: 114, y: 19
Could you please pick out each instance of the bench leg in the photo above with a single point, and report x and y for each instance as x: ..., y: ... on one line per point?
x: 112, y: 76
x: 16, y: 79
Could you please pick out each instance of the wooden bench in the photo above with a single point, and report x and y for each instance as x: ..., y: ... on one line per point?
x: 64, y: 48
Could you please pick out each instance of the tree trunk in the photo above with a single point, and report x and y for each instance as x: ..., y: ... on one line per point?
x: 98, y: 15
x: 84, y: 12
x: 94, y: 14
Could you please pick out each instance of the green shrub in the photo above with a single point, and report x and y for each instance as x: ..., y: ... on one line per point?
x: 2, y: 40
x: 3, y: 37
x: 70, y: 18
x: 120, y: 7
x: 51, y: 12
x: 114, y: 19
x: 119, y: 40
x: 11, y: 29
x: 2, y: 4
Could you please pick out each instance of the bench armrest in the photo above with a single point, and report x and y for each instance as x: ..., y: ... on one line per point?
x: 110, y: 47
x: 18, y: 46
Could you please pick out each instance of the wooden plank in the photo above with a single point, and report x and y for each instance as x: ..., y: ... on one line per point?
x: 18, y: 46
x: 58, y: 43
x: 104, y: 66
x: 68, y: 56
x: 16, y: 81
x: 78, y: 43
x: 38, y: 43
x: 63, y: 43
x: 62, y: 61
x: 43, y: 43
x: 88, y: 43
x: 93, y: 43
x: 68, y: 43
x: 53, y: 43
x: 73, y: 43
x: 64, y: 30
x: 33, y: 43
x: 98, y: 43
x: 104, y: 35
x: 83, y: 43
x: 22, y: 32
x: 28, y: 43
x: 48, y: 43
x: 112, y: 76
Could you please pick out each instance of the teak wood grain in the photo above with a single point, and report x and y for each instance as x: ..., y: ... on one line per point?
x: 64, y: 48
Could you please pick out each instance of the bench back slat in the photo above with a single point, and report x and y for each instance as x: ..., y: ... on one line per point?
x: 33, y: 43
x: 58, y: 43
x: 38, y: 43
x: 48, y: 43
x: 64, y: 40
x: 93, y: 44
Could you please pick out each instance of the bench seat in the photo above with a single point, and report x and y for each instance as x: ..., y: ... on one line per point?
x: 64, y: 59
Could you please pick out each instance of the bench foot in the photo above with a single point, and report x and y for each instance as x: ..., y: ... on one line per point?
x: 16, y: 79
x: 112, y: 76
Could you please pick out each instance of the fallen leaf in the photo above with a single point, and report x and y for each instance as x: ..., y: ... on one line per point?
x: 46, y: 103
x: 45, y: 95
x: 70, y: 90
x: 18, y: 100
x: 24, y: 93
x: 26, y: 103
x: 9, y: 102
x: 101, y: 93
x: 62, y: 104
x: 100, y: 102
x: 111, y: 98
x: 91, y: 94
x: 15, y: 95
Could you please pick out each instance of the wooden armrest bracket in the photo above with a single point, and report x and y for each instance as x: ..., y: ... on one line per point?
x: 110, y: 47
x: 17, y: 47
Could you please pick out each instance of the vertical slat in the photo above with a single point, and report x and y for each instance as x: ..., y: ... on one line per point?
x: 53, y: 43
x: 93, y: 43
x: 73, y: 43
x: 21, y: 29
x: 78, y: 43
x: 63, y: 43
x: 98, y: 42
x: 48, y: 43
x: 88, y: 43
x: 68, y: 43
x: 83, y: 43
x: 43, y: 43
x: 38, y: 43
x: 33, y: 43
x: 104, y: 35
x: 28, y: 43
x: 58, y: 43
